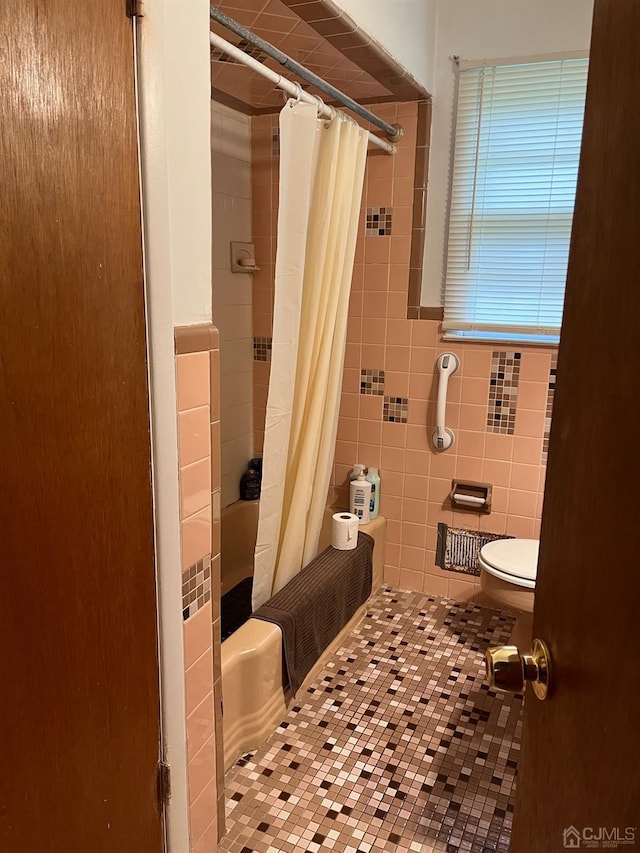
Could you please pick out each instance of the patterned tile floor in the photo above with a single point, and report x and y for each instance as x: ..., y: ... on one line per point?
x: 397, y: 746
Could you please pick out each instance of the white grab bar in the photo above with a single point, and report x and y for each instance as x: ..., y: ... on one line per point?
x: 446, y: 364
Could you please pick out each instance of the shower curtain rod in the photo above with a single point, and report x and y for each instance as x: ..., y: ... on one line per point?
x: 393, y: 131
x: 293, y: 89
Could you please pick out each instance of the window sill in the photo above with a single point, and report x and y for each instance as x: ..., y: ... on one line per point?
x: 431, y: 313
x: 497, y: 338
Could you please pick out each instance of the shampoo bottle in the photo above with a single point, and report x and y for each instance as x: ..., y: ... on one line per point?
x: 360, y: 494
x: 356, y: 470
x: 250, y: 485
x: 373, y: 476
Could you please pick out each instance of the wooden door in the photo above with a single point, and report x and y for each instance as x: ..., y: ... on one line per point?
x: 580, y: 763
x: 79, y: 704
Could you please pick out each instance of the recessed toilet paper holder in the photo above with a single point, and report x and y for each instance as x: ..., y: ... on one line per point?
x: 468, y: 494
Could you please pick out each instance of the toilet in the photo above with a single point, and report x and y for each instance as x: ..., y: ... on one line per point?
x: 508, y: 569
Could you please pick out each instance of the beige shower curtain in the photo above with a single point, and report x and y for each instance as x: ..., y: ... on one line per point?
x: 321, y: 176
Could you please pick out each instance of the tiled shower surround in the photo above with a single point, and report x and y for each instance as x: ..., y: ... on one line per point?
x: 231, y: 292
x: 198, y: 394
x: 382, y: 342
x: 399, y: 745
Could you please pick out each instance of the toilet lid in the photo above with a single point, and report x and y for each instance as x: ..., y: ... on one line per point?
x: 517, y: 558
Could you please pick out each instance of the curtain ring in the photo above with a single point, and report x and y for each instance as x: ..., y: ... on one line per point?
x: 320, y: 105
x: 298, y: 97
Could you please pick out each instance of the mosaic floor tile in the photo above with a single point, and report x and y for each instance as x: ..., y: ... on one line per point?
x: 398, y: 745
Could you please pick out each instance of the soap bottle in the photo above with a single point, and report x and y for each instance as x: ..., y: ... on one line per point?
x: 256, y: 464
x: 250, y: 485
x: 356, y: 470
x: 373, y: 477
x: 360, y: 496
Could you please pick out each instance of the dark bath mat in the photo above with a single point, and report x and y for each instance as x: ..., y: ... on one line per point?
x: 318, y: 602
x: 235, y: 607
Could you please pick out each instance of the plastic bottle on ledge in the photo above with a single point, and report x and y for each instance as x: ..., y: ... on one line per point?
x: 360, y: 496
x: 256, y: 464
x: 250, y: 485
x: 356, y: 470
x: 373, y: 477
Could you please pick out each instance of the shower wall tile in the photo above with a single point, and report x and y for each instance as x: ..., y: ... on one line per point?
x: 200, y: 778
x: 231, y: 169
x: 194, y: 435
x: 198, y: 638
x: 230, y: 135
x: 197, y: 366
x: 192, y: 380
x: 200, y: 723
x: 265, y: 171
x: 201, y: 810
x: 195, y: 487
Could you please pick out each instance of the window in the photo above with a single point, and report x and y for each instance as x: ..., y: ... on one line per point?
x: 517, y: 145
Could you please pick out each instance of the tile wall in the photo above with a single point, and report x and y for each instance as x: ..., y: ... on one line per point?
x: 387, y: 410
x: 198, y: 394
x: 231, y: 220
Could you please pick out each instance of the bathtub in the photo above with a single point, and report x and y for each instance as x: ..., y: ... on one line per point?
x: 238, y: 531
x: 254, y: 696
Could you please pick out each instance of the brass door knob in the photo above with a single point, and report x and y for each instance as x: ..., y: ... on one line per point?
x: 508, y: 670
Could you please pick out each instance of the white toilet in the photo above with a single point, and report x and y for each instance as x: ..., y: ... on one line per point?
x: 508, y: 569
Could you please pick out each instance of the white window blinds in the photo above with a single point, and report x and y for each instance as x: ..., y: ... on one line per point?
x: 517, y: 145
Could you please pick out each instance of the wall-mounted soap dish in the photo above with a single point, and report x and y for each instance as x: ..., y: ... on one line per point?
x: 243, y: 257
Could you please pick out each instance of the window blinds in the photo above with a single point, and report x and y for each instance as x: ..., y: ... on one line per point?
x: 517, y: 146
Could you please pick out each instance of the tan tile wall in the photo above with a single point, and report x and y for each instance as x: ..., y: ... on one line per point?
x: 198, y: 397
x: 416, y: 481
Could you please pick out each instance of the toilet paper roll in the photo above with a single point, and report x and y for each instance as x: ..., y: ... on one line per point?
x: 344, y: 531
x: 468, y: 499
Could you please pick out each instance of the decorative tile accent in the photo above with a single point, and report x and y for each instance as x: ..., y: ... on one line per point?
x: 262, y: 349
x: 378, y: 222
x: 458, y: 549
x: 275, y: 141
x: 395, y: 410
x: 196, y: 587
x: 398, y: 745
x: 218, y: 55
x: 372, y: 382
x: 503, y: 392
x: 550, y: 395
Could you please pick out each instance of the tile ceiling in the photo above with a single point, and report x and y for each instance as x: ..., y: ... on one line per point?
x: 273, y: 21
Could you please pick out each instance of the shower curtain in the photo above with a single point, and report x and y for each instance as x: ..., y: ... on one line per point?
x: 321, y: 176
